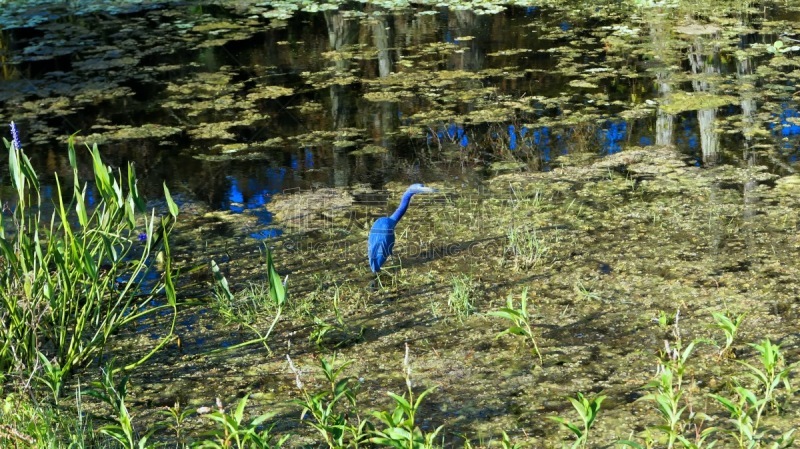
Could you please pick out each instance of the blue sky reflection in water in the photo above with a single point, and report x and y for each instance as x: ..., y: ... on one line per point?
x: 255, y: 202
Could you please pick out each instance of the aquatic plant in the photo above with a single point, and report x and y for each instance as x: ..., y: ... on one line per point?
x: 748, y: 406
x: 176, y: 421
x: 667, y: 391
x: 525, y: 245
x: 233, y: 432
x: 25, y: 424
x: 505, y: 442
x: 114, y: 394
x: 742, y: 410
x: 587, y: 410
x: 247, y: 306
x: 667, y: 394
x: 400, y: 425
x: 773, y: 372
x: 584, y: 293
x: 730, y: 327
x: 520, y: 320
x: 333, y: 409
x: 70, y: 282
x: 334, y: 334
x: 460, y: 300
x: 53, y: 377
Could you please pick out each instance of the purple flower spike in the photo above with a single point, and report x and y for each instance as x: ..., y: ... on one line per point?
x: 142, y: 236
x: 15, y: 137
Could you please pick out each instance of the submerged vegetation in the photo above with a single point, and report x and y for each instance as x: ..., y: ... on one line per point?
x: 610, y: 259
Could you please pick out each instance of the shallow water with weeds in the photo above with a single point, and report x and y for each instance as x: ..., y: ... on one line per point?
x: 630, y: 165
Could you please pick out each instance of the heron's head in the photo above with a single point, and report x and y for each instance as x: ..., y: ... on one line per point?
x: 419, y: 188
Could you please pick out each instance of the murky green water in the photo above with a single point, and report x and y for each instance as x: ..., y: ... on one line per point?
x: 641, y: 156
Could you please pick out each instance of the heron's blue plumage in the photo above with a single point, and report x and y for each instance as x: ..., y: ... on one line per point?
x: 381, y: 242
x: 381, y: 237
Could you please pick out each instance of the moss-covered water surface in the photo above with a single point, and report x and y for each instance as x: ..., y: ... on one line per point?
x: 629, y: 165
x: 618, y: 257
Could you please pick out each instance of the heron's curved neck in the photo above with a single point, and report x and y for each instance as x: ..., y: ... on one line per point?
x: 401, y: 210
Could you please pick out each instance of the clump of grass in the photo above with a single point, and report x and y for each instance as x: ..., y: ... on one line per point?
x: 336, y: 332
x: 436, y: 308
x: 524, y: 244
x: 114, y: 395
x: 520, y: 320
x: 584, y: 293
x: 526, y: 247
x: 71, y: 281
x: 246, y: 306
x: 24, y: 424
x: 461, y: 299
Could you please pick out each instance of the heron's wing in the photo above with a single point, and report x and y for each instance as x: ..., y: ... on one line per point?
x: 380, y: 245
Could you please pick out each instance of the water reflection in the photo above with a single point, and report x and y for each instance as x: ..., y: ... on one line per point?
x: 704, y: 60
x: 472, y: 88
x: 612, y: 136
x: 251, y: 197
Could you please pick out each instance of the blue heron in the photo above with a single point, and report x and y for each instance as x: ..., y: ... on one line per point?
x: 381, y: 236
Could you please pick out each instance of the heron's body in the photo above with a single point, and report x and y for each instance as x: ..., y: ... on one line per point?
x: 381, y: 237
x: 381, y: 242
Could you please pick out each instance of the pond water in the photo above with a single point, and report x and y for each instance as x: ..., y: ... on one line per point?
x: 624, y: 159
x: 234, y: 104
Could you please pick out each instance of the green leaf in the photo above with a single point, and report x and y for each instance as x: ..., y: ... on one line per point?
x: 732, y: 408
x: 398, y: 433
x: 101, y: 177
x: 220, y: 280
x: 173, y: 208
x: 80, y: 207
x: 16, y: 171
x: 401, y: 401
x: 71, y: 151
x: 504, y: 313
x: 277, y: 290
x: 133, y: 190
x: 572, y: 427
x: 30, y: 174
x: 630, y: 443
x: 239, y: 413
x: 422, y: 396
